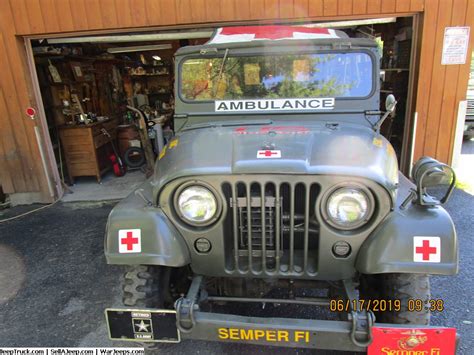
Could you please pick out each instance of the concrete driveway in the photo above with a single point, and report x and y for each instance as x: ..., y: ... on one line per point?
x: 55, y: 284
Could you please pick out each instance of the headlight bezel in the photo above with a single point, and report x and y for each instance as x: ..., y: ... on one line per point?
x: 200, y: 184
x: 348, y: 185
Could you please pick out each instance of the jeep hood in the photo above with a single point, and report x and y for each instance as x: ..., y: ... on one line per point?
x: 319, y: 148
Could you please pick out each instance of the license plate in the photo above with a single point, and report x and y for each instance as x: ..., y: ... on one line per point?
x: 422, y: 341
x: 157, y: 326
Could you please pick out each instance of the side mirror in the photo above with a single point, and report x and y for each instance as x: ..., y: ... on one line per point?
x: 432, y: 179
x: 390, y: 104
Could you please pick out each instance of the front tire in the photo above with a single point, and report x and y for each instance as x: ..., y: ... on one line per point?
x: 398, y: 287
x: 142, y: 287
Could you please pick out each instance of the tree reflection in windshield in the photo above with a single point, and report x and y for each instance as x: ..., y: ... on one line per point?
x: 278, y: 76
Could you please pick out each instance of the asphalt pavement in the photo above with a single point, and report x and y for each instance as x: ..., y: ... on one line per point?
x: 55, y: 284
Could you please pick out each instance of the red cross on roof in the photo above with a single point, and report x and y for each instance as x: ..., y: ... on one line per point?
x: 272, y: 32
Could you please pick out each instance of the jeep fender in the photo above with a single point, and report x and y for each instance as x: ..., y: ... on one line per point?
x: 161, y: 243
x: 389, y: 249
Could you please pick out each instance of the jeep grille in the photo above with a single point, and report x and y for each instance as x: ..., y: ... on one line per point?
x: 273, y: 228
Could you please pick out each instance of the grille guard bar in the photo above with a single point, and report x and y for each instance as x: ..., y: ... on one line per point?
x: 352, y: 335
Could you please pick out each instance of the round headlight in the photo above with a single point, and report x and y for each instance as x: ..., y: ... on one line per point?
x: 348, y: 208
x: 197, y: 205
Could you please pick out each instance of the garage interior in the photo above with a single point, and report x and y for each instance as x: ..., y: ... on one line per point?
x: 86, y: 84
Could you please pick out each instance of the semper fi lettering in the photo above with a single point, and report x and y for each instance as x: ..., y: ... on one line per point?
x: 267, y: 335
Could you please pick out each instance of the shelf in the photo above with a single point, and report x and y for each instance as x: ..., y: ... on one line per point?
x: 137, y: 75
x: 395, y: 69
x: 57, y: 56
x: 155, y: 66
x: 64, y: 83
x: 49, y: 55
x: 64, y: 56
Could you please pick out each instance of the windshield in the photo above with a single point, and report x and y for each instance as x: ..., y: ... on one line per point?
x: 277, y: 76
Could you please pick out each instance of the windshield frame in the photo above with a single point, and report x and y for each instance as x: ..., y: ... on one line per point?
x: 371, y: 54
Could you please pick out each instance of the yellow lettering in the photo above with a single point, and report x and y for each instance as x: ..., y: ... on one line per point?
x: 246, y: 334
x: 233, y: 334
x: 259, y: 334
x: 283, y: 334
x: 301, y: 335
x: 271, y: 335
x: 435, y: 351
x: 223, y: 333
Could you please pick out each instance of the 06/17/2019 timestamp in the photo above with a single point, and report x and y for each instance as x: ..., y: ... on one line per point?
x: 382, y: 305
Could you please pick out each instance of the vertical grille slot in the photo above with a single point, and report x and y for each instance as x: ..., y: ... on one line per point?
x: 248, y: 223
x: 273, y: 228
x: 278, y: 246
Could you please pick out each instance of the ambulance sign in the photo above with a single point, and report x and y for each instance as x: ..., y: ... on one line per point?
x: 456, y: 41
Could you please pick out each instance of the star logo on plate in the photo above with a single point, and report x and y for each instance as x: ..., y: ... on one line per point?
x: 142, y: 326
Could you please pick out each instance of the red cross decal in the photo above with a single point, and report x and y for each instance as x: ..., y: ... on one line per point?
x: 267, y: 153
x: 426, y: 250
x: 130, y: 241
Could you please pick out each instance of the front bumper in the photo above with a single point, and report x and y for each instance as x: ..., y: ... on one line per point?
x: 358, y: 334
x: 314, y: 334
x: 301, y: 333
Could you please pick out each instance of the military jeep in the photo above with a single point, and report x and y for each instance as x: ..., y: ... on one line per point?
x: 278, y: 189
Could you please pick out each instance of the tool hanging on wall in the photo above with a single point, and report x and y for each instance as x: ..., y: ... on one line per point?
x: 53, y: 71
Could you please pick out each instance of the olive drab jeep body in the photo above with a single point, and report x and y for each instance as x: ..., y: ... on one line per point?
x: 277, y: 178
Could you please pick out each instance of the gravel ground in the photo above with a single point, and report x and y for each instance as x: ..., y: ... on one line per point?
x: 64, y: 283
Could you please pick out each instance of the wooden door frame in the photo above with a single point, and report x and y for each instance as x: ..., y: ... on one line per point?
x: 408, y: 143
x: 45, y: 145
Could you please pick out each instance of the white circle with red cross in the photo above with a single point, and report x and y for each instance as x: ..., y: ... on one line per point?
x: 130, y: 240
x: 427, y: 249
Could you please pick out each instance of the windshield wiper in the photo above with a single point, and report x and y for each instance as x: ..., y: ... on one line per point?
x: 221, y: 70
x: 226, y: 124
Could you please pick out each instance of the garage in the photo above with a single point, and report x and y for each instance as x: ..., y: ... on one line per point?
x: 92, y: 88
x: 89, y: 83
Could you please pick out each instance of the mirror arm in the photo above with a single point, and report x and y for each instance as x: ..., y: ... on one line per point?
x: 379, y: 123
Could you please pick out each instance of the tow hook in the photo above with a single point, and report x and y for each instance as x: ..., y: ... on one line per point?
x: 362, y: 320
x: 185, y: 306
